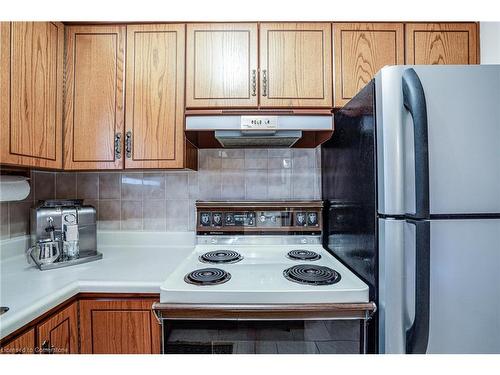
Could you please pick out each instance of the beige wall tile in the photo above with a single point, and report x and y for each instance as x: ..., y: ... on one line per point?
x: 155, y: 215
x: 109, y: 214
x: 256, y: 184
x: 153, y: 185
x: 233, y: 184
x: 177, y: 215
x: 131, y: 218
x: 45, y: 185
x: 4, y: 220
x: 87, y: 185
x: 19, y: 214
x: 132, y: 186
x: 176, y: 184
x: 109, y: 185
x: 66, y: 185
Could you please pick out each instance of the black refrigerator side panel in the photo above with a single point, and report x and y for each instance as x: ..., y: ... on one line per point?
x: 349, y: 190
x: 348, y: 187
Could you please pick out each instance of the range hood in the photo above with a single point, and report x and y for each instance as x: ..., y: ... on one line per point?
x: 253, y: 138
x: 269, y: 130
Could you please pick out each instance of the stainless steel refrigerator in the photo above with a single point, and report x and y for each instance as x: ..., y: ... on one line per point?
x: 411, y: 179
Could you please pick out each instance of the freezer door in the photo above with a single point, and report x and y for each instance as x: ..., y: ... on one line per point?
x: 463, y: 129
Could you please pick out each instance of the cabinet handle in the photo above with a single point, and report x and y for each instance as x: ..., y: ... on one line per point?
x: 47, y: 348
x: 118, y: 146
x: 254, y: 82
x: 128, y: 144
x: 264, y: 82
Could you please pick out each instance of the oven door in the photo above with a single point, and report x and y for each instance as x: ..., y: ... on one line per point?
x: 263, y: 337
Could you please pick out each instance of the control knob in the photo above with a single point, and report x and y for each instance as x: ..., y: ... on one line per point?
x: 300, y: 219
x: 205, y: 219
x: 312, y: 218
x: 217, y: 219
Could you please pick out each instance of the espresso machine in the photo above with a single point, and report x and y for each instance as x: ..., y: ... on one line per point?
x: 63, y: 233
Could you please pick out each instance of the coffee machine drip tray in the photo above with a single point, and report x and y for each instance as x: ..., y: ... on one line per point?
x: 85, y: 257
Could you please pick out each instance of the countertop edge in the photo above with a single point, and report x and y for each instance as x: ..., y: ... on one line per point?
x: 10, y: 324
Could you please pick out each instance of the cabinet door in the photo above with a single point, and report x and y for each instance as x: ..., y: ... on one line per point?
x: 296, y: 65
x: 155, y: 96
x: 361, y: 50
x: 221, y: 65
x: 59, y: 333
x: 441, y: 43
x: 22, y: 344
x: 94, y: 97
x: 119, y: 327
x: 31, y: 78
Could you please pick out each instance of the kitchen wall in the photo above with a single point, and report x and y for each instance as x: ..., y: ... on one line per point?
x: 490, y: 42
x: 164, y: 200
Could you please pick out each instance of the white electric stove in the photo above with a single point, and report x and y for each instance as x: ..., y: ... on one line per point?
x: 259, y: 281
x: 262, y: 273
x: 261, y: 253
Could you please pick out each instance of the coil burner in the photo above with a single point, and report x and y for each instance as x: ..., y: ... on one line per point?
x: 221, y: 256
x: 207, y: 276
x: 312, y: 275
x: 303, y: 255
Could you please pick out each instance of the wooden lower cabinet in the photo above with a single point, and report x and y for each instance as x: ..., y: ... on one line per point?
x: 59, y: 333
x: 97, y: 324
x: 22, y: 344
x: 119, y: 327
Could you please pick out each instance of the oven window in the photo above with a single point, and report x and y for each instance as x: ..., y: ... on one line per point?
x: 262, y: 337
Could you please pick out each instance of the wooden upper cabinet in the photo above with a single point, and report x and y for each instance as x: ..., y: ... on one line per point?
x: 360, y: 51
x: 59, y: 333
x: 119, y: 327
x: 155, y: 96
x: 31, y: 81
x: 295, y: 65
x: 441, y: 43
x: 221, y: 65
x: 94, y: 97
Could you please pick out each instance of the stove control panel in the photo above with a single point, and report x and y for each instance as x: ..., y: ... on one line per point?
x: 259, y: 219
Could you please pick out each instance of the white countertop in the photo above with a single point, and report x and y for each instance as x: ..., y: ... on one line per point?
x: 136, y: 262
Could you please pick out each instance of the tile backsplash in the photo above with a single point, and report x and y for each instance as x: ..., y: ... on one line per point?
x: 164, y: 200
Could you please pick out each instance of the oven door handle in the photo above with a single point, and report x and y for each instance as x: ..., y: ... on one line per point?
x: 157, y: 314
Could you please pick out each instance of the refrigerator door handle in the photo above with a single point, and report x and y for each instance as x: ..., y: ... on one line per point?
x: 414, y: 102
x: 417, y: 336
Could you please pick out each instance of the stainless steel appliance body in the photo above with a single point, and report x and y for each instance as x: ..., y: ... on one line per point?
x: 68, y: 225
x: 418, y: 149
